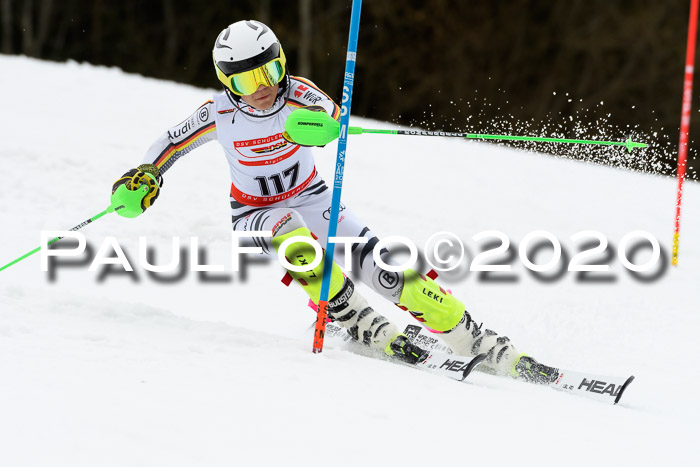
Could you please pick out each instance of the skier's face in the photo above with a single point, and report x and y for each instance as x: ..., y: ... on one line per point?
x: 263, y: 98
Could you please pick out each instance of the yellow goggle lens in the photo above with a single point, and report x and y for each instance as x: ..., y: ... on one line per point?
x: 248, y: 82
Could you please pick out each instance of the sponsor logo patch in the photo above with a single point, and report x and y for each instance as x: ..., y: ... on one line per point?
x: 182, y: 130
x: 312, y: 97
x: 203, y: 114
x: 388, y: 279
x: 599, y: 387
x: 286, y: 218
x: 327, y: 212
x: 300, y: 90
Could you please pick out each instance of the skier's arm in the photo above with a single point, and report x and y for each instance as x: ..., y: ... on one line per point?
x: 305, y: 93
x: 138, y: 188
x: 197, y: 129
x: 330, y: 107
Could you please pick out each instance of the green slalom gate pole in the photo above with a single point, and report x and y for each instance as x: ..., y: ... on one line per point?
x: 54, y: 240
x: 318, y: 129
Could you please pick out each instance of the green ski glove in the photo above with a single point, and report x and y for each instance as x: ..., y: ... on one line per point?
x: 136, y: 190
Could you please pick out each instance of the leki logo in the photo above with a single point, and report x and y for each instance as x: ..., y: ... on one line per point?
x: 433, y: 295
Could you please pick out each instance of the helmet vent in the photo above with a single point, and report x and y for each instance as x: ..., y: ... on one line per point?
x: 255, y: 26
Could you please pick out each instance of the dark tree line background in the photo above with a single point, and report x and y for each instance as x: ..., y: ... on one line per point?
x: 603, y: 69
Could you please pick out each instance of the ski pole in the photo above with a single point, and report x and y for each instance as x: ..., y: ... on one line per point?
x: 125, y: 201
x: 629, y: 144
x: 318, y: 129
x: 54, y: 240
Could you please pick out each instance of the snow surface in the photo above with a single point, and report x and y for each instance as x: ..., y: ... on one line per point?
x: 129, y: 371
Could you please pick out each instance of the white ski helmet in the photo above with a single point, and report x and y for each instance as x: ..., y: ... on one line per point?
x: 246, y: 55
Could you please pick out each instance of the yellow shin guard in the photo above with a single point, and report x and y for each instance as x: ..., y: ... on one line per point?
x: 430, y: 303
x: 301, y: 253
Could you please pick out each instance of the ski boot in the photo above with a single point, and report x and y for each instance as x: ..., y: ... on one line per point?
x: 443, y: 313
x: 351, y: 311
x: 528, y: 369
x: 403, y: 349
x: 467, y: 338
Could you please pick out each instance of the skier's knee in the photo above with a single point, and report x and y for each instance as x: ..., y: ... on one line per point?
x: 302, y: 253
x: 289, y: 225
x: 429, y: 303
x: 288, y: 222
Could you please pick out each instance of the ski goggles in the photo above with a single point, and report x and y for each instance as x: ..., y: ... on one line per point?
x: 247, y: 82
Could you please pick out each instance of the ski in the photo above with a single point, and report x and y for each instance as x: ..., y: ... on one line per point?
x: 456, y: 367
x: 606, y: 389
x: 441, y: 360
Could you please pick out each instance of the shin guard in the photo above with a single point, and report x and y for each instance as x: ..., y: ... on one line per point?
x: 301, y: 254
x: 429, y: 303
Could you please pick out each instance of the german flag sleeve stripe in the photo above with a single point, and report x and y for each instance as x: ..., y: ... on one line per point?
x: 184, y: 146
x: 336, y: 111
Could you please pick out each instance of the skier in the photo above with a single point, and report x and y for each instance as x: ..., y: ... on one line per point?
x: 275, y: 187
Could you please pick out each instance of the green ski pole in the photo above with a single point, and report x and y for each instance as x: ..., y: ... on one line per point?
x: 629, y: 144
x: 55, y: 239
x: 126, y: 202
x: 318, y: 129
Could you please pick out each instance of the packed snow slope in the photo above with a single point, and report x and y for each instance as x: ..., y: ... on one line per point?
x: 130, y: 369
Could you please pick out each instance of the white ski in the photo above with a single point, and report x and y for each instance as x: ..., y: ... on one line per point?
x: 607, y: 389
x: 453, y: 366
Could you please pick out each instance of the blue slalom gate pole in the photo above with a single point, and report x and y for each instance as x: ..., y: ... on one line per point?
x: 348, y: 81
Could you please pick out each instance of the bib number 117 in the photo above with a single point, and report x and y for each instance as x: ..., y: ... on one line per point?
x: 277, y: 181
